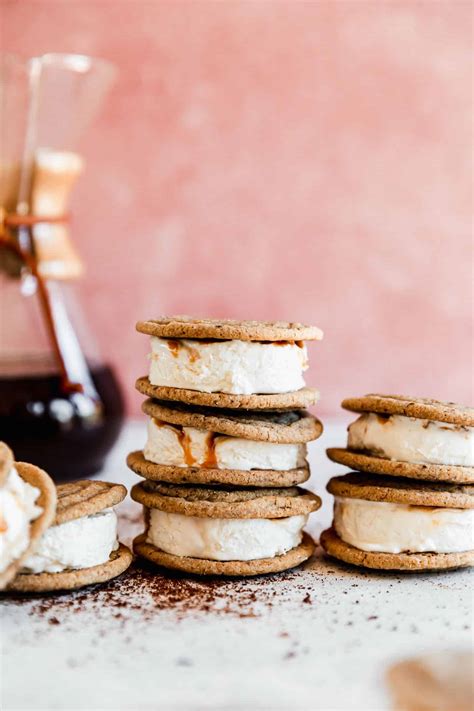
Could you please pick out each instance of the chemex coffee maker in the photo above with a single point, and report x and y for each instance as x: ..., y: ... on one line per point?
x: 60, y: 403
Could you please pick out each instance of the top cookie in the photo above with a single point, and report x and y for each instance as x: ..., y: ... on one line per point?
x: 356, y: 485
x: 86, y: 497
x: 290, y: 427
x: 6, y: 461
x: 420, y: 408
x: 228, y: 330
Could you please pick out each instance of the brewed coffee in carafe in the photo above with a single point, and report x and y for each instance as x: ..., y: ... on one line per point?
x: 60, y: 403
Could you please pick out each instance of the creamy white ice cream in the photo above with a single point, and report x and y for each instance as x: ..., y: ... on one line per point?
x: 17, y: 510
x: 187, y: 446
x: 384, y: 527
x: 238, y: 367
x: 80, y: 543
x: 408, y: 439
x: 224, y: 539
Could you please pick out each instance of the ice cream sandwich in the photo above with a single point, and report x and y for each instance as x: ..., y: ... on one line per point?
x: 27, y: 508
x: 210, y: 446
x: 81, y: 547
x: 391, y: 523
x: 231, y: 364
x: 409, y: 437
x: 225, y: 530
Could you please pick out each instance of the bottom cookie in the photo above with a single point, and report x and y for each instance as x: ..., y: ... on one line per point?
x: 410, y: 562
x: 118, y: 562
x: 200, y: 566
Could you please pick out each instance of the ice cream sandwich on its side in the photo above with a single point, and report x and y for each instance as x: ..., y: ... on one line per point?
x: 27, y: 508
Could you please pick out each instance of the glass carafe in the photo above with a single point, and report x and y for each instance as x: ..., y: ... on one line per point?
x: 60, y: 403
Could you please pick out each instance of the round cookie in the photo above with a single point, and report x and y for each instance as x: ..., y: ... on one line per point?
x: 409, y: 562
x: 215, y: 477
x: 76, y: 500
x: 432, y: 682
x: 6, y: 461
x: 228, y: 330
x: 298, y: 399
x: 86, y: 497
x: 288, y: 427
x: 421, y: 408
x: 200, y: 566
x: 118, y: 562
x: 46, y: 500
x: 379, y: 465
x: 225, y: 502
x: 400, y: 491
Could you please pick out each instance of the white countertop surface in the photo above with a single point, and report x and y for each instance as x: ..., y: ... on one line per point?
x: 314, y: 638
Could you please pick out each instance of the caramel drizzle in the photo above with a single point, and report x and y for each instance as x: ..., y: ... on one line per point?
x: 3, y: 525
x: 210, y: 458
x: 175, y: 345
x: 300, y: 344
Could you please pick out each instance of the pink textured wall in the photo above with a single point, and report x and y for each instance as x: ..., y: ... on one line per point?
x: 306, y: 161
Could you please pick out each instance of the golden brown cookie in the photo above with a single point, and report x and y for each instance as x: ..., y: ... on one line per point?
x: 440, y: 681
x: 379, y: 465
x: 46, y: 501
x: 118, y: 562
x: 200, y: 566
x: 6, y: 461
x: 215, y: 477
x: 228, y: 330
x: 371, y: 487
x: 298, y: 399
x: 409, y: 562
x: 288, y: 427
x: 421, y: 408
x: 86, y: 497
x: 76, y: 500
x: 225, y: 502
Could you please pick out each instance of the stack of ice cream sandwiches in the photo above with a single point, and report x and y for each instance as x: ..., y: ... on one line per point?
x: 56, y: 538
x: 226, y: 447
x: 410, y: 504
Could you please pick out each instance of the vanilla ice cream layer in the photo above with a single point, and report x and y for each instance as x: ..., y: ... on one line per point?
x: 409, y: 439
x: 17, y: 511
x: 80, y: 543
x: 224, y: 539
x: 383, y: 527
x: 238, y: 367
x: 179, y: 446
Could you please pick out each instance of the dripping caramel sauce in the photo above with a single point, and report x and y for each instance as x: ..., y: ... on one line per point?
x: 210, y: 458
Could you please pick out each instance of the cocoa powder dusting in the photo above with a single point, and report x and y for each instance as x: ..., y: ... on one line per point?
x: 144, y: 591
